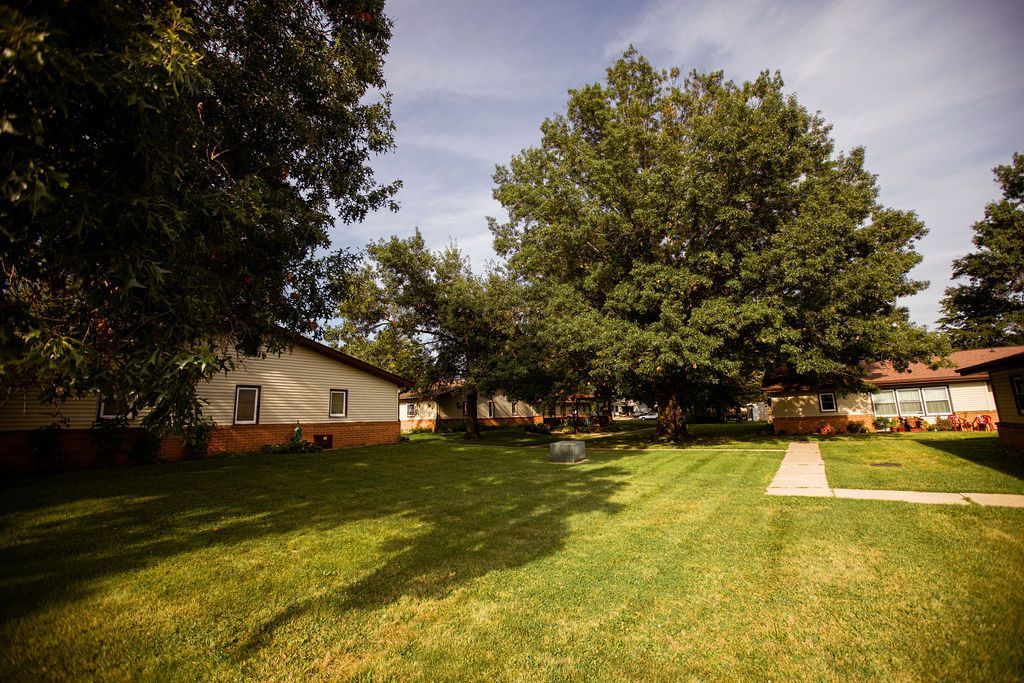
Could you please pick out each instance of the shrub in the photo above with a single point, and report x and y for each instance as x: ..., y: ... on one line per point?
x: 452, y: 426
x: 44, y: 443
x: 146, y: 448
x: 196, y: 439
x: 943, y: 425
x: 291, y: 447
x: 537, y: 429
x: 825, y: 429
x: 882, y: 423
x: 857, y: 428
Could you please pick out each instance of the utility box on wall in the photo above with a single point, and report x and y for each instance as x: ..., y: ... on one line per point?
x: 567, y: 452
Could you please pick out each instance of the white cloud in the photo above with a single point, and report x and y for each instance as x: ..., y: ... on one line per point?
x: 933, y: 90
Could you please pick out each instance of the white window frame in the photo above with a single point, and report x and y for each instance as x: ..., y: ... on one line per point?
x: 330, y: 403
x: 895, y: 403
x: 949, y: 401
x: 920, y: 399
x: 835, y: 403
x: 515, y: 407
x: 410, y: 410
x: 102, y: 414
x: 256, y: 412
x: 490, y: 409
x: 465, y: 409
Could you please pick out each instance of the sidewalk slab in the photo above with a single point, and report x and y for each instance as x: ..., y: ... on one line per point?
x: 905, y: 496
x: 807, y: 492
x: 1009, y: 500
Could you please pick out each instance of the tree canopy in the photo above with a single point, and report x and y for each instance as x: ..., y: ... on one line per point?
x: 682, y: 236
x: 407, y: 298
x: 171, y: 170
x: 988, y: 309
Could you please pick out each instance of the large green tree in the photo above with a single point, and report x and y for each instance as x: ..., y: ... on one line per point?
x: 407, y: 296
x: 170, y: 174
x: 687, y: 235
x: 988, y: 309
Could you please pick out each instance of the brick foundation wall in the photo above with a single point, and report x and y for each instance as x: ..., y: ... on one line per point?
x: 485, y: 422
x: 421, y: 423
x: 810, y: 425
x: 1011, y: 435
x: 84, y: 449
x: 346, y: 434
x: 498, y: 422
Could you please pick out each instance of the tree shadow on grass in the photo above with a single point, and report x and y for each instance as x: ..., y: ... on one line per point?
x: 984, y: 451
x: 473, y: 510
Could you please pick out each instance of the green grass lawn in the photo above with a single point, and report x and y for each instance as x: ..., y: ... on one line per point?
x: 963, y: 462
x: 443, y: 560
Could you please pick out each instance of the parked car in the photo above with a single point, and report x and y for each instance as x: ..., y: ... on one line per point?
x: 647, y: 416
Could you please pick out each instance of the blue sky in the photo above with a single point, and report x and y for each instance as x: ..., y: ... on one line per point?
x: 933, y: 90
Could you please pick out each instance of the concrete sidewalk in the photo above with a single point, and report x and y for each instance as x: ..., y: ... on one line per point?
x: 802, y: 473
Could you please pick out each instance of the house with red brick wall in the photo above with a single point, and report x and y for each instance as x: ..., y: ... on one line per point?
x: 1006, y: 376
x: 919, y: 392
x: 338, y: 400
x: 449, y: 407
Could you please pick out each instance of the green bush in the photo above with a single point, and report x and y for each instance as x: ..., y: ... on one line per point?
x: 44, y: 443
x: 943, y: 425
x: 146, y: 448
x: 196, y: 439
x: 856, y: 428
x: 291, y: 447
x: 882, y: 423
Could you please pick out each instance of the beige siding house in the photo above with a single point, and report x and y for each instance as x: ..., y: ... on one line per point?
x: 418, y: 412
x: 1006, y: 377
x: 921, y: 392
x: 338, y: 401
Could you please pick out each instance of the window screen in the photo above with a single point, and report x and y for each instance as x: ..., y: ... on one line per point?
x: 247, y: 401
x: 339, y: 403
x: 884, y: 403
x: 936, y: 401
x: 827, y: 403
x: 910, y: 401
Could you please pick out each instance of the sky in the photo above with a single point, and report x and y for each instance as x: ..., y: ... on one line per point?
x: 933, y: 90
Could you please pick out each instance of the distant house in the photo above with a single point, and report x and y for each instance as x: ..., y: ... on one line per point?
x: 1006, y: 376
x: 338, y: 400
x: 920, y: 392
x: 450, y: 408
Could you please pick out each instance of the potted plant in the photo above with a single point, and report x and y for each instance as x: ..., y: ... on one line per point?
x: 882, y: 424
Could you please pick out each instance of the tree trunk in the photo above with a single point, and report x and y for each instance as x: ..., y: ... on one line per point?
x: 671, y: 418
x: 472, y: 423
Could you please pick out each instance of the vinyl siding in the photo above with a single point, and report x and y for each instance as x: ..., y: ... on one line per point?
x: 425, y: 410
x: 295, y: 386
x: 1004, y: 396
x: 448, y: 408
x: 971, y: 396
x: 806, y: 405
x: 22, y: 411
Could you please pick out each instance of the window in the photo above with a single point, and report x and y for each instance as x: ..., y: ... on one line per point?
x: 1017, y: 385
x: 885, y: 404
x: 410, y: 410
x: 111, y: 409
x: 490, y: 409
x: 247, y: 405
x: 339, y: 403
x: 910, y: 401
x: 515, y: 408
x: 936, y: 401
x: 827, y: 403
x: 465, y: 410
